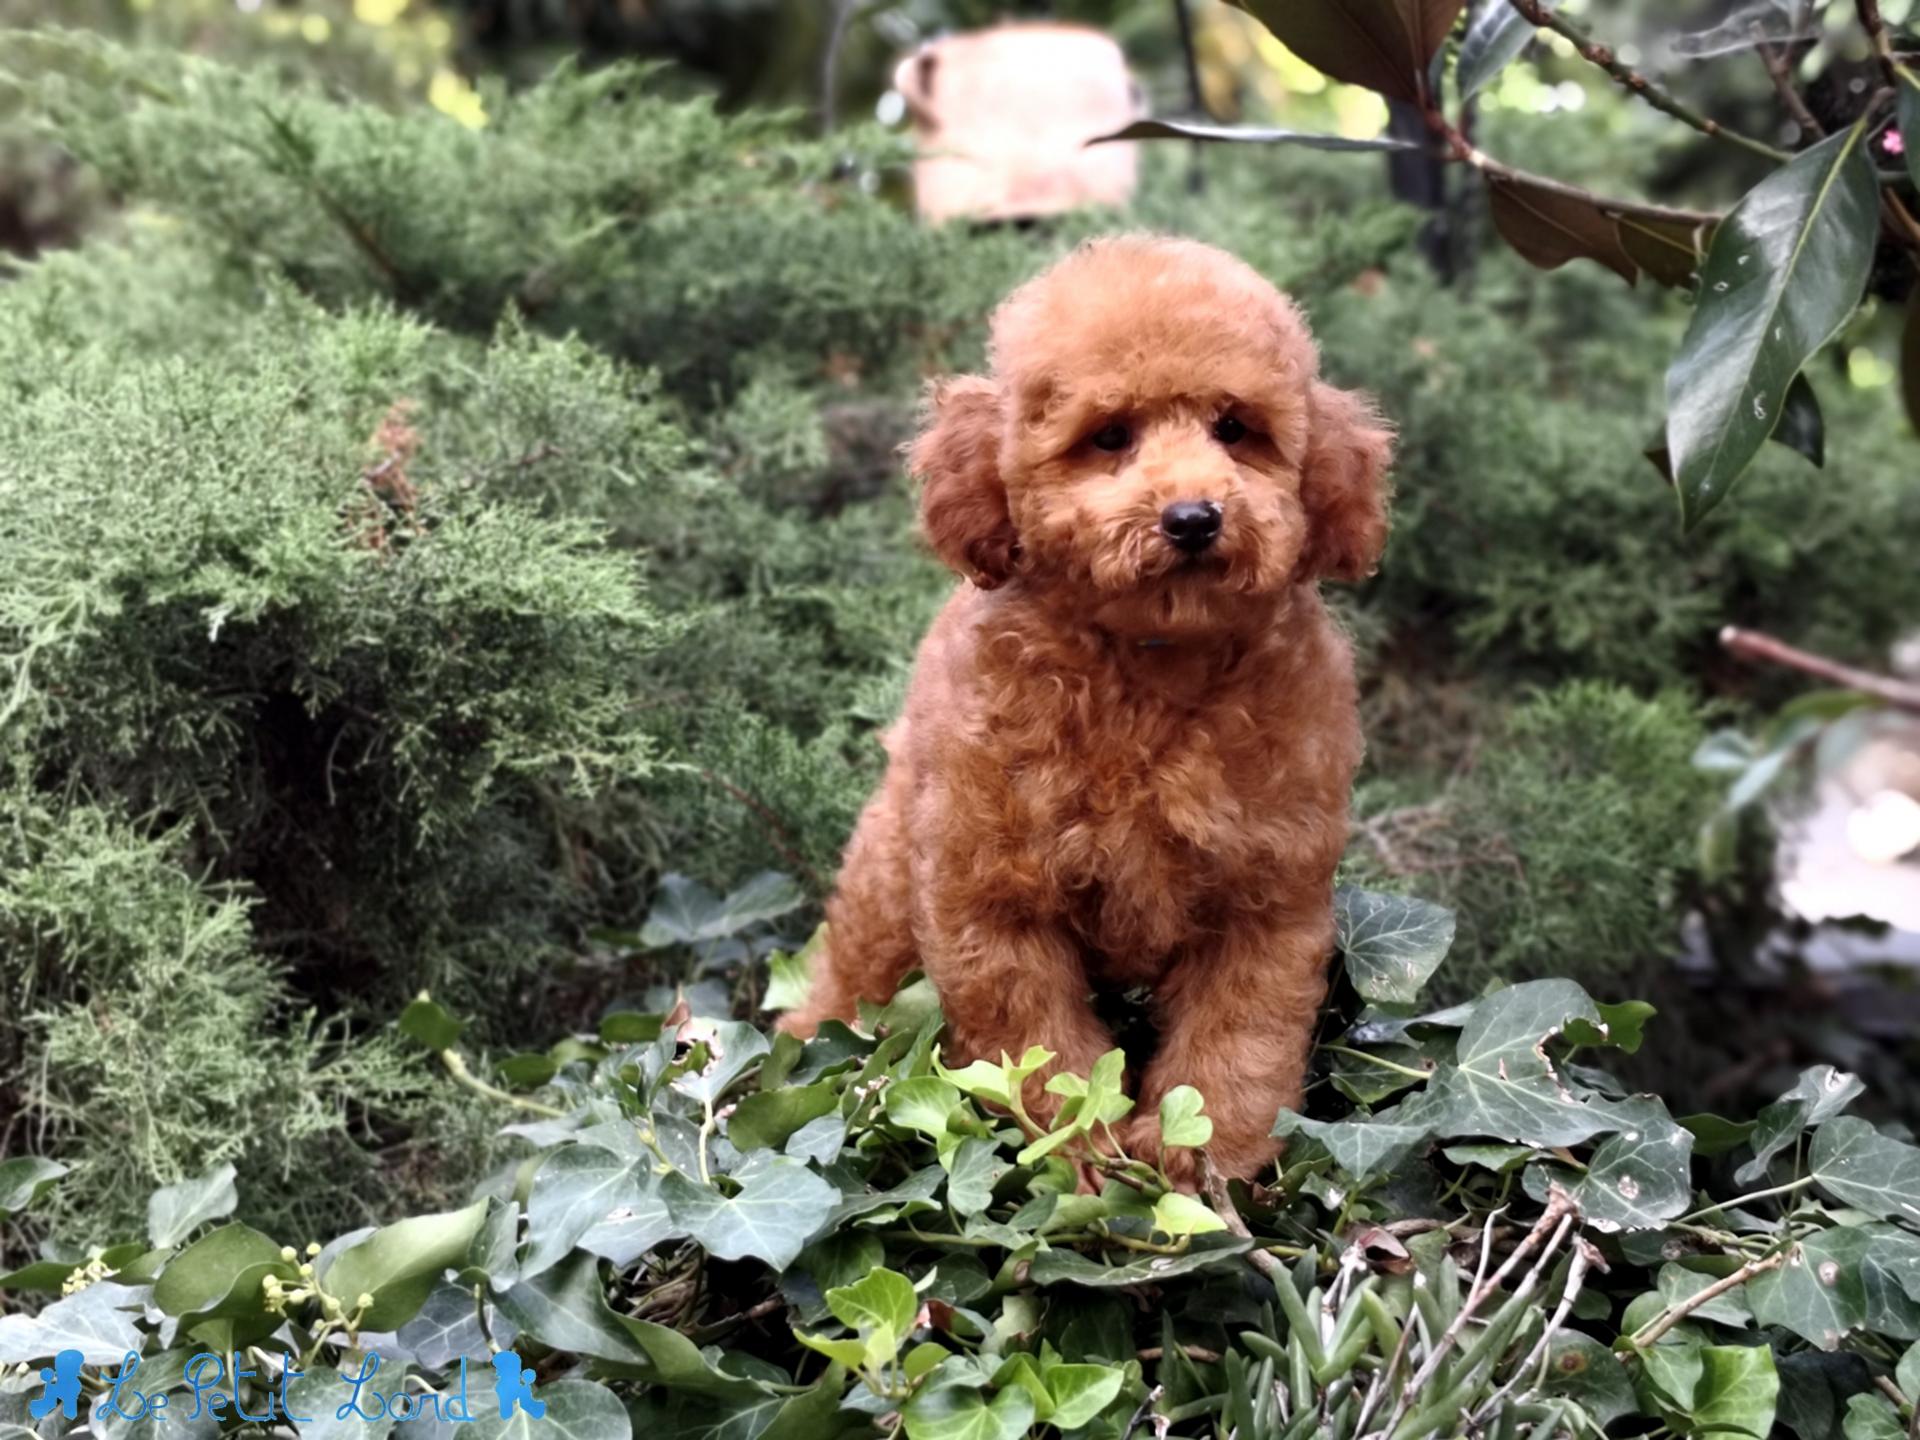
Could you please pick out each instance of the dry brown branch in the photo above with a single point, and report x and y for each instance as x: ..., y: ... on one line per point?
x: 1753, y: 645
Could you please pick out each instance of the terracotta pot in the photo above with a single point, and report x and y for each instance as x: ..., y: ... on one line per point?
x: 1003, y: 117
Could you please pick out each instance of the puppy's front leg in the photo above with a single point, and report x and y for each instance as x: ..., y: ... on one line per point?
x: 1006, y: 986
x: 1236, y: 1020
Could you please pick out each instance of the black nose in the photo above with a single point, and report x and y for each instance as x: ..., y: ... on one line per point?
x: 1192, y: 525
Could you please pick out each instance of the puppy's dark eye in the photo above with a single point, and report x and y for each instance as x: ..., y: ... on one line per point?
x: 1229, y: 431
x: 1112, y: 437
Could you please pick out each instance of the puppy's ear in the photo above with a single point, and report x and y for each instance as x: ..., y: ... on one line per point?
x: 1343, y: 486
x: 963, y: 504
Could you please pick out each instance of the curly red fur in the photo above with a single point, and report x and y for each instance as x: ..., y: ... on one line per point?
x: 1127, y: 765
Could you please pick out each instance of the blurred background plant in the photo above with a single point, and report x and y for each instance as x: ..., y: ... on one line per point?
x: 445, y: 491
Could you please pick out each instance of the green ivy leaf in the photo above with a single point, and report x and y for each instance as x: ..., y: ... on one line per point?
x: 218, y: 1277
x: 685, y: 912
x: 780, y: 1206
x: 765, y: 1120
x: 1820, y: 1093
x: 1818, y: 1294
x: 790, y: 977
x: 1640, y: 1176
x: 1176, y: 1214
x: 1502, y: 1084
x: 1677, y: 1283
x: 922, y: 1104
x: 1080, y: 1392
x: 1907, y: 1375
x: 1054, y: 1267
x: 1365, y: 1149
x: 1582, y: 1370
x: 576, y: 1410
x: 425, y: 1021
x: 1859, y: 1166
x: 952, y: 1412
x: 399, y: 1264
x: 974, y: 1167
x: 176, y: 1211
x: 1181, y: 1122
x: 732, y: 1049
x: 1784, y: 271
x: 883, y: 1302
x: 1872, y: 1417
x: 574, y: 1189
x: 98, y: 1322
x: 1392, y: 943
x: 24, y: 1180
x: 1621, y: 1026
x: 1737, y: 1391
x: 565, y: 1309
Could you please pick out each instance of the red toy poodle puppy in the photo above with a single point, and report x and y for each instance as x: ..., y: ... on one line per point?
x: 1127, y: 745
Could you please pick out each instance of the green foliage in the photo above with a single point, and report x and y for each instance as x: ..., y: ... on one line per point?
x: 662, y: 1250
x: 1566, y: 845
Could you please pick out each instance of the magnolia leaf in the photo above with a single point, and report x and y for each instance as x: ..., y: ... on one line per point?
x: 953, y: 1412
x: 1365, y: 1149
x: 1547, y: 226
x: 1737, y: 1391
x: 1176, y: 1214
x: 1181, y: 1122
x: 1081, y: 1392
x: 400, y: 1264
x: 97, y: 1321
x: 765, y: 1120
x: 575, y: 1410
x: 24, y: 1180
x: 1582, y: 1370
x: 1053, y: 1267
x: 1670, y: 248
x: 1784, y: 271
x: 176, y: 1211
x: 1820, y: 1093
x: 779, y: 1208
x: 1392, y: 943
x: 1384, y: 45
x: 1245, y: 135
x: 1495, y: 37
x: 1872, y: 1417
x: 1858, y: 1166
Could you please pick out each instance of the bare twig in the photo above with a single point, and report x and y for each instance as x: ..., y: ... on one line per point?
x: 1585, y: 1256
x: 1140, y: 1414
x: 1753, y: 645
x: 1680, y: 1309
x: 1635, y: 83
x: 1779, y: 65
x: 1197, y: 1353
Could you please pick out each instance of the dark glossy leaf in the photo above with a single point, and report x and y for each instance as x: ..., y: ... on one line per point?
x: 1668, y: 248
x: 1244, y: 135
x: 1784, y: 271
x: 1495, y: 37
x: 1384, y: 45
x: 765, y: 1120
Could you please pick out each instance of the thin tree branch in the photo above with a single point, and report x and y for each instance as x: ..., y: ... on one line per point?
x: 1764, y: 649
x: 1635, y: 83
x: 1875, y: 25
x: 1779, y: 65
x: 1680, y: 1309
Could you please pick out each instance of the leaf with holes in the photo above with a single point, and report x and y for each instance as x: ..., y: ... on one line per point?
x: 1784, y: 271
x: 1502, y: 1085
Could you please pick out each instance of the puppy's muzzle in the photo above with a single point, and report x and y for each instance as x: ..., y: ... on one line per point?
x: 1191, y: 526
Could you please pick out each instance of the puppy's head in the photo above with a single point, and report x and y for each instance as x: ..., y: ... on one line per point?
x: 1153, y: 439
